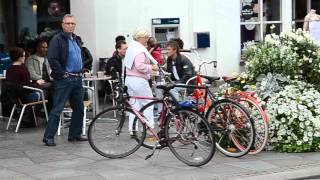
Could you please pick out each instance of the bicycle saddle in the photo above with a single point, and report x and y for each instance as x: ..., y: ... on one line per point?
x: 211, y: 79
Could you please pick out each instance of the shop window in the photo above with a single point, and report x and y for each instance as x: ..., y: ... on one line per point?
x: 259, y: 18
x: 21, y: 21
x: 50, y: 14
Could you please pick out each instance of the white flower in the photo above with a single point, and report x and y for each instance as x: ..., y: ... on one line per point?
x: 299, y: 143
x: 307, y: 123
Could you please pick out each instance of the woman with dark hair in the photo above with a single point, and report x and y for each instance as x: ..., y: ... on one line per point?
x: 18, y: 72
x: 18, y: 75
x: 154, y: 49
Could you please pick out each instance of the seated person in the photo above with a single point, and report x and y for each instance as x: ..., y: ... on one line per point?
x: 86, y: 58
x: 18, y: 74
x: 179, y: 66
x: 37, y: 64
x: 114, y: 64
x: 39, y: 69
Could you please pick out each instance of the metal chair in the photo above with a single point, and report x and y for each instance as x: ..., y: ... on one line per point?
x: 67, y: 109
x: 42, y: 101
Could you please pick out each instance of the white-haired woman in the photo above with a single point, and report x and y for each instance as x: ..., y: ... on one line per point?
x: 138, y: 67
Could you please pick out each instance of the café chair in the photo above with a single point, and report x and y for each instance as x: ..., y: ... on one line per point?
x: 23, y: 106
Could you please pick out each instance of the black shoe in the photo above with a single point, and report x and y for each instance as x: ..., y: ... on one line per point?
x: 49, y: 142
x: 77, y: 139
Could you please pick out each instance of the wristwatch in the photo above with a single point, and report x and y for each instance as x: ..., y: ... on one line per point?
x: 65, y: 75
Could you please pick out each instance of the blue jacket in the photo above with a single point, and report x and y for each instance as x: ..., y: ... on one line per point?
x: 58, y: 54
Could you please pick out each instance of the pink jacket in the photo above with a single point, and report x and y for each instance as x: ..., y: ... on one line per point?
x: 141, y: 67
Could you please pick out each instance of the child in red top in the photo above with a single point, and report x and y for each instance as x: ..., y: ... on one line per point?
x: 155, y: 50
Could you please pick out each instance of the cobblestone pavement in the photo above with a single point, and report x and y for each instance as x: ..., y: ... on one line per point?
x: 23, y: 156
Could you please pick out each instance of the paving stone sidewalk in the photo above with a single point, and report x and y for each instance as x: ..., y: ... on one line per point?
x: 23, y: 156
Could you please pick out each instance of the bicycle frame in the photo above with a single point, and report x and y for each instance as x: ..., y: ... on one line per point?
x: 164, y: 112
x: 238, y: 96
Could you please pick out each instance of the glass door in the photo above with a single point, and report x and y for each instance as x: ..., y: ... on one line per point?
x: 300, y: 8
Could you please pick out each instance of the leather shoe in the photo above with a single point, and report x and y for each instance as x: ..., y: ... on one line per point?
x: 78, y: 139
x: 49, y: 142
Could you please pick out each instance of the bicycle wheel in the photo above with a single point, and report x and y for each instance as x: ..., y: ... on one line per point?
x: 260, y: 119
x: 233, y: 128
x: 189, y: 137
x: 156, y: 107
x: 110, y: 137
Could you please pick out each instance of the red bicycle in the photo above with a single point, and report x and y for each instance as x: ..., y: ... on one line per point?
x: 257, y: 112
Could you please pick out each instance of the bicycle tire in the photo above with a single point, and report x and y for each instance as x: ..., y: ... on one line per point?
x: 260, y: 122
x: 231, y: 120
x: 189, y: 137
x: 157, y: 107
x: 110, y: 137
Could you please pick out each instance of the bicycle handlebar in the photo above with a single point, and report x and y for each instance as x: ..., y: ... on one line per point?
x: 210, y: 62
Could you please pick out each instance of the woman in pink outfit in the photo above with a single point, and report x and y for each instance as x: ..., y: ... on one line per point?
x: 137, y: 73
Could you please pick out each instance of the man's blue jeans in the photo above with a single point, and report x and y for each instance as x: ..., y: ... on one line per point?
x: 66, y: 89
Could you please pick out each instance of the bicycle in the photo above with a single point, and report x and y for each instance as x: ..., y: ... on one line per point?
x: 261, y: 119
x: 231, y: 121
x: 181, y: 129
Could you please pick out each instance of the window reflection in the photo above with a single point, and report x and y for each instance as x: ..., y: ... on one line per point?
x: 272, y: 10
x: 51, y: 13
x: 249, y: 11
x: 272, y: 28
x: 250, y: 34
x: 299, y: 9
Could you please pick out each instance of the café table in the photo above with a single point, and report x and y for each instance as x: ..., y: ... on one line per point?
x: 94, y: 80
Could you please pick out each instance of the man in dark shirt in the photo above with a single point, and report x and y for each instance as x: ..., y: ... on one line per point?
x: 178, y: 65
x: 65, y: 60
x: 114, y: 64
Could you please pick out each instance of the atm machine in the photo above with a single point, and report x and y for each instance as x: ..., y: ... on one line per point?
x: 163, y: 29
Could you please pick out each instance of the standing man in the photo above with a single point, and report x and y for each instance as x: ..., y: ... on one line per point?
x: 65, y: 60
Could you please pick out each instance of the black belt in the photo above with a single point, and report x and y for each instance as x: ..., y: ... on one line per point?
x: 74, y: 74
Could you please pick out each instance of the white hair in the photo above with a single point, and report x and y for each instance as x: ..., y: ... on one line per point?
x: 140, y: 32
x: 68, y: 16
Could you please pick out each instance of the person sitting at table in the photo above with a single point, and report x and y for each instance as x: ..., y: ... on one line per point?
x: 114, y: 64
x: 39, y: 69
x: 18, y: 74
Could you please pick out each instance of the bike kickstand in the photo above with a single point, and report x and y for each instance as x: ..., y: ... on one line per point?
x: 153, y: 150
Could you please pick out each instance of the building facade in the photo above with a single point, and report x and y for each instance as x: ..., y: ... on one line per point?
x: 223, y: 20
x: 226, y: 25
